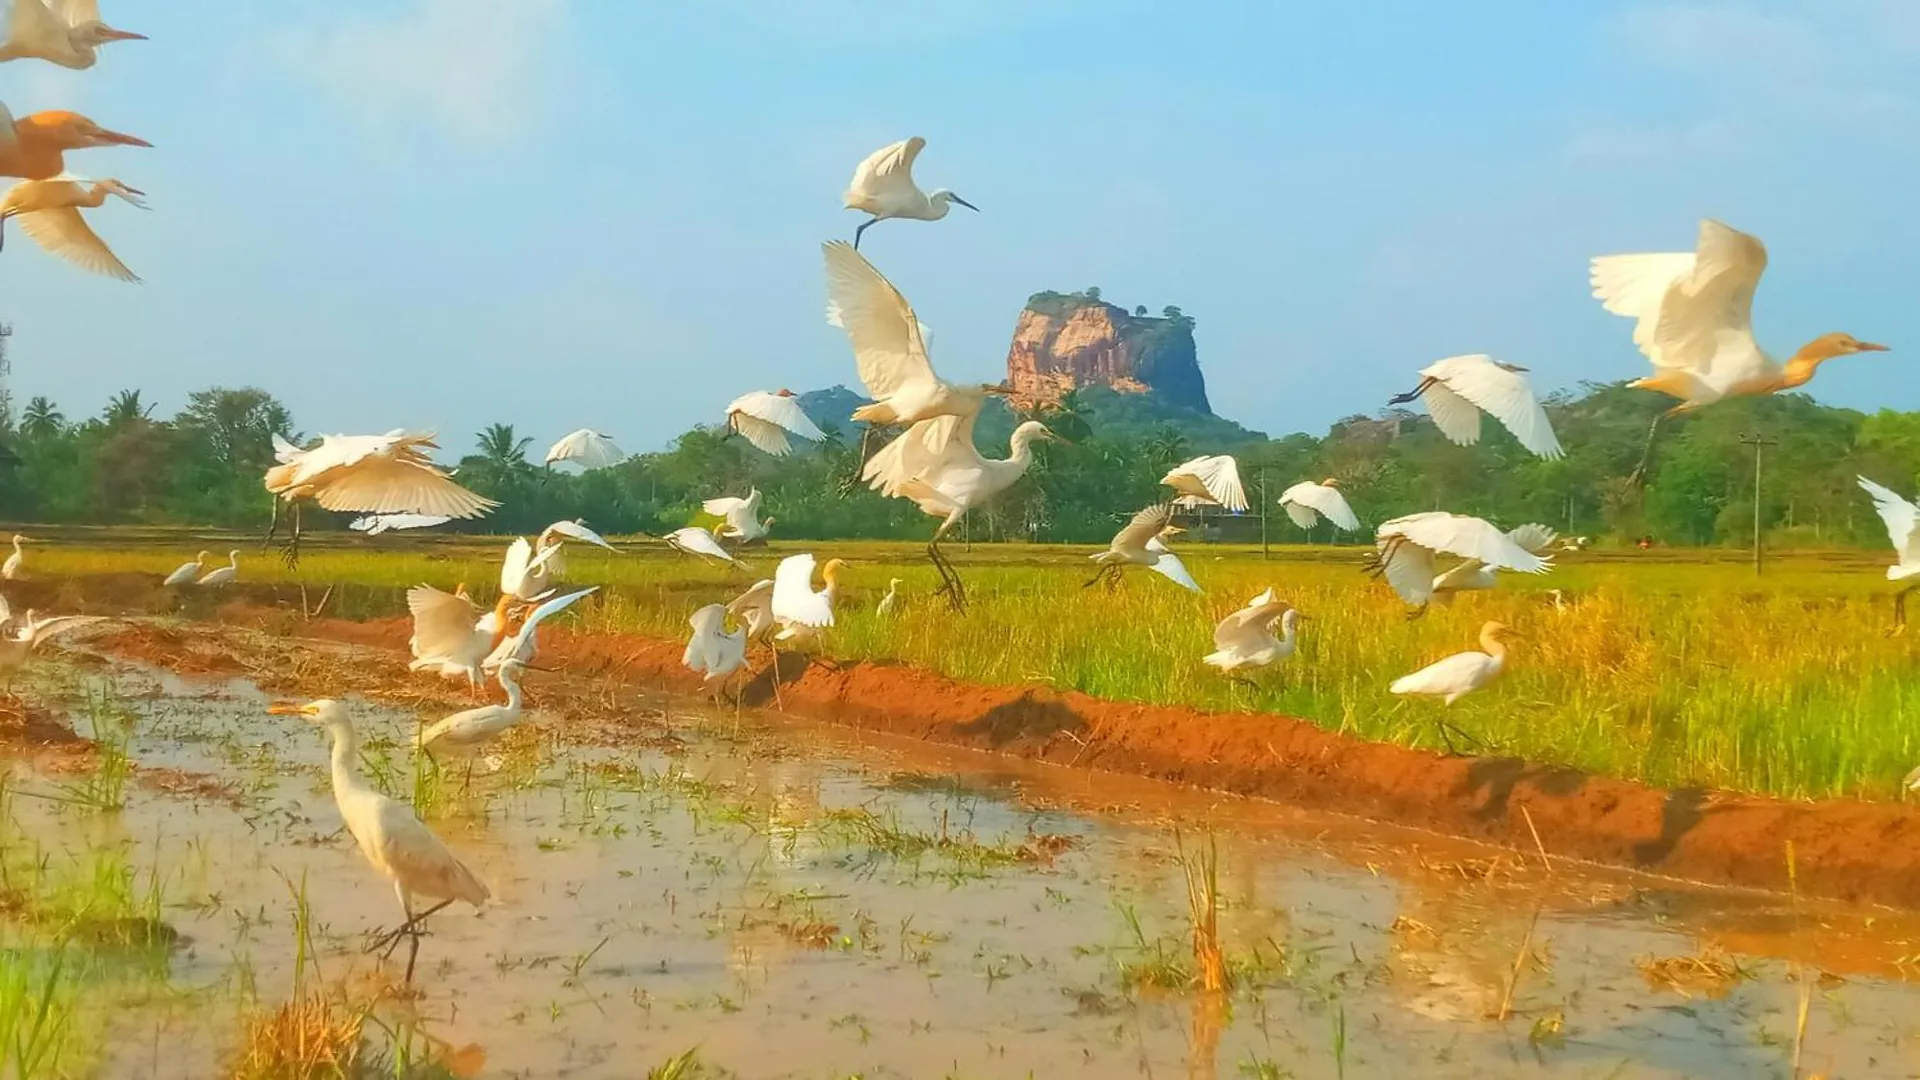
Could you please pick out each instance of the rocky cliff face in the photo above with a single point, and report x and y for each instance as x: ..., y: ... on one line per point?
x: 1064, y: 341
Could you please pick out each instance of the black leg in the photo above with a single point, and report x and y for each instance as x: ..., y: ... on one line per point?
x: 273, y: 524
x: 412, y: 926
x: 1900, y: 612
x: 1639, y: 474
x: 861, y: 229
x: 850, y: 482
x: 1412, y: 394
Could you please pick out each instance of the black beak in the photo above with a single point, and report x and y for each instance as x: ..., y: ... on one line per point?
x: 963, y: 202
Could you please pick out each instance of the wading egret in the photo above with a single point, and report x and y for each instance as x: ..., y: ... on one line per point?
x: 524, y: 643
x: 743, y: 524
x: 19, y: 638
x: 1693, y: 317
x: 1245, y: 638
x: 64, y: 32
x: 883, y: 186
x: 451, y: 635
x: 466, y: 733
x: 712, y: 651
x: 1138, y: 543
x: 1404, y: 549
x: 1473, y: 574
x: 1458, y: 389
x: 49, y: 213
x: 890, y: 601
x: 368, y: 474
x: 16, y: 562
x: 934, y: 464
x: 701, y: 543
x: 375, y: 524
x: 189, y: 572
x: 1307, y: 502
x: 586, y: 448
x: 801, y: 612
x: 767, y: 419
x: 225, y: 575
x: 390, y: 835
x: 34, y: 147
x: 1208, y: 480
x: 1900, y: 517
x: 1456, y: 676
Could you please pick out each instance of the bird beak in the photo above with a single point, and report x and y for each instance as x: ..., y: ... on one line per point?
x: 103, y: 137
x: 1868, y: 346
x: 963, y: 202
x: 287, y: 708
x: 996, y: 389
x: 108, y: 33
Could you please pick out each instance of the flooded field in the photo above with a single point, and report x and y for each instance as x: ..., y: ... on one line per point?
x: 723, y: 895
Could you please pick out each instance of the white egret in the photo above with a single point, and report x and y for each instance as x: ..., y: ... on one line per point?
x: 754, y: 609
x: 1571, y: 544
x: 1693, y: 317
x: 802, y: 612
x: 1138, y: 543
x: 1472, y: 574
x: 49, y: 213
x: 1404, y: 549
x: 1454, y: 677
x: 530, y: 569
x: 369, y: 474
x: 451, y: 635
x: 19, y: 639
x: 883, y: 186
x: 702, y: 544
x: 225, y: 575
x: 1208, y: 480
x: 466, y: 733
x: 16, y: 562
x: 64, y: 32
x: 188, y: 572
x: 1307, y: 502
x: 389, y: 833
x: 523, y: 643
x: 743, y: 524
x: 1900, y: 517
x: 1458, y: 389
x: 586, y: 448
x: 767, y: 419
x: 934, y: 464
x: 375, y: 524
x: 890, y: 601
x: 1245, y: 638
x: 712, y: 651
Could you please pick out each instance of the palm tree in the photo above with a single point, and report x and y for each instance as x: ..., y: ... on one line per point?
x: 502, y: 450
x: 124, y: 408
x: 42, y: 420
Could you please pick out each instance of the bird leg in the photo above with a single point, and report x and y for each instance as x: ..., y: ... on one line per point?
x: 1447, y: 730
x: 776, y: 675
x: 1899, y: 626
x: 411, y: 928
x: 1098, y: 576
x: 955, y: 592
x: 1639, y: 474
x: 1411, y: 395
x: 273, y: 524
x: 861, y: 229
x: 291, y: 556
x: 851, y: 481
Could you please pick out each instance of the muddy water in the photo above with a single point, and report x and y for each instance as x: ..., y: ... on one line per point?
x: 806, y: 902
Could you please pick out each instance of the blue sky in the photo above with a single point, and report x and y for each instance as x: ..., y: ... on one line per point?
x: 564, y: 213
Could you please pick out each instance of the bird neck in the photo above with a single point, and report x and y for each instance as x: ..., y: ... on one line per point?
x: 1287, y: 627
x: 1491, y: 644
x: 346, y: 758
x: 1802, y: 365
x: 512, y: 686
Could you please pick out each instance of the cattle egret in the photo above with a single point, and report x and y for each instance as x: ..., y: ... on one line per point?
x: 586, y: 448
x: 1900, y: 517
x: 369, y: 474
x: 451, y: 635
x: 19, y: 639
x: 1460, y: 674
x: 767, y: 419
x: 1307, y: 502
x: 524, y: 643
x: 375, y: 524
x: 1245, y: 638
x: 754, y: 609
x: 225, y: 575
x: 890, y: 601
x: 530, y: 568
x: 1693, y: 317
x: 712, y: 652
x: 1404, y: 549
x: 1138, y: 543
x: 1472, y: 574
x: 1208, y: 480
x: 801, y: 612
x: 702, y: 544
x: 934, y: 464
x: 1458, y: 389
x: 466, y: 733
x: 49, y: 213
x: 10, y: 570
x: 743, y: 524
x: 389, y: 834
x: 34, y: 147
x: 187, y: 573
x: 883, y: 186
x: 1571, y: 544
x: 64, y: 32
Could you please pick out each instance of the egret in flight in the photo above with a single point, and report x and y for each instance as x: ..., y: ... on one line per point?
x: 1138, y: 543
x: 375, y: 524
x: 767, y: 419
x: 16, y: 562
x: 1404, y: 549
x: 225, y: 575
x: 523, y: 644
x: 1307, y: 502
x: 49, y: 213
x: 529, y: 569
x: 64, y: 32
x: 1458, y: 675
x: 754, y: 609
x: 1245, y: 639
x: 1693, y: 317
x: 801, y: 611
x: 1458, y: 389
x: 702, y: 544
x: 188, y: 572
x: 1472, y: 574
x: 1900, y: 517
x: 883, y: 186
x: 586, y: 448
x: 713, y: 652
x: 34, y: 147
x: 369, y: 474
x: 18, y: 639
x: 743, y: 524
x: 1208, y: 480
x: 451, y: 635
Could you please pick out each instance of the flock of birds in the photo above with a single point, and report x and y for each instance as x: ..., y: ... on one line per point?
x: 1692, y: 318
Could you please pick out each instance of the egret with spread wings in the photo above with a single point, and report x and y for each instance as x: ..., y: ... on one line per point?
x: 368, y: 474
x: 1458, y: 389
x: 1139, y: 543
x: 883, y: 186
x: 1404, y: 550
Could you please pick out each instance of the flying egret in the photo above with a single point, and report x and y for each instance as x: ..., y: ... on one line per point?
x: 754, y: 609
x: 1472, y: 574
x: 49, y: 213
x: 890, y: 601
x: 451, y: 635
x: 1693, y: 317
x: 766, y: 419
x: 1138, y: 543
x: 19, y: 639
x: 188, y: 572
x: 712, y: 651
x: 389, y: 833
x: 523, y: 643
x: 465, y: 733
x: 801, y: 612
x: 883, y: 186
x: 743, y: 524
x: 529, y: 568
x: 1245, y: 638
x: 1208, y: 480
x: 369, y: 474
x: 34, y: 147
x: 1571, y: 544
x: 1404, y: 549
x: 10, y: 570
x: 1307, y: 502
x: 701, y: 543
x: 1456, y: 676
x: 1900, y: 517
x: 1458, y: 389
x: 934, y: 464
x: 225, y: 575
x: 375, y: 524
x: 586, y: 448
x: 64, y: 32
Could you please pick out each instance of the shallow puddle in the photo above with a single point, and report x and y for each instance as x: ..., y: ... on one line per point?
x: 799, y: 901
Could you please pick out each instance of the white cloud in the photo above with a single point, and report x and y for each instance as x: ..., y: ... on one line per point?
x: 470, y: 67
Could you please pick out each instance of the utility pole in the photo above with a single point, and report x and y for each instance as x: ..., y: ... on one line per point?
x: 1759, y: 443
x: 1266, y: 552
x: 6, y: 369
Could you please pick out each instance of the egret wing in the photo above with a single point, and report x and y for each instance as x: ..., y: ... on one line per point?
x: 383, y: 485
x: 63, y: 232
x: 573, y: 530
x: 755, y: 606
x: 1169, y: 566
x: 1326, y: 500
x: 1219, y: 476
x: 442, y: 622
x: 1145, y: 527
x: 724, y: 505
x: 926, y: 449
x: 1503, y: 393
x: 887, y: 342
x: 1467, y: 537
x: 586, y: 448
x: 1714, y: 302
x: 887, y: 172
x: 1636, y: 286
x: 416, y: 858
x: 375, y: 524
x: 59, y: 624
x: 793, y: 597
x: 767, y: 419
x: 1533, y: 536
x: 1900, y: 517
x: 1245, y: 628
x: 699, y: 542
x: 33, y: 22
x: 76, y: 12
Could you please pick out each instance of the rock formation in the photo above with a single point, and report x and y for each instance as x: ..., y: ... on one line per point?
x: 1064, y: 341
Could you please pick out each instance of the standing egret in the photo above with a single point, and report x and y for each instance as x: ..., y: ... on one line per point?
x: 883, y: 186
x: 1404, y: 549
x: 225, y: 575
x: 1138, y: 543
x: 34, y: 147
x: 49, y: 213
x: 369, y: 474
x: 1245, y: 638
x: 1458, y: 389
x: 934, y: 464
x: 389, y: 833
x: 19, y: 639
x: 702, y: 544
x: 766, y: 419
x: 743, y: 524
x: 712, y: 652
x: 1693, y: 317
x: 801, y: 612
x: 754, y: 608
x: 64, y: 32
x: 1454, y: 677
x: 586, y: 448
x: 465, y: 733
x: 188, y: 572
x: 523, y: 644
x: 1472, y: 574
x: 1900, y: 517
x: 10, y: 570
x: 1208, y: 480
x: 1307, y: 502
x: 890, y: 601
x: 375, y: 524
x: 451, y: 635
